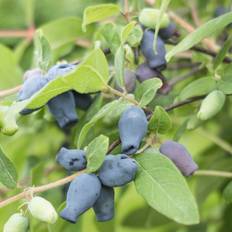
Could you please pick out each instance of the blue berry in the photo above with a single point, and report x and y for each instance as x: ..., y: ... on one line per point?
x: 59, y: 70
x: 71, y: 159
x: 82, y: 194
x: 132, y: 129
x: 104, y: 206
x: 117, y: 170
x: 82, y: 101
x: 168, y: 32
x: 33, y: 82
x: 155, y: 60
x: 144, y: 72
x: 180, y: 157
x: 129, y: 81
x: 63, y: 109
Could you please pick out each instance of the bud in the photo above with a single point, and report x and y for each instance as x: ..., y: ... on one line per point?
x: 16, y: 223
x: 149, y: 18
x: 211, y: 105
x: 43, y: 210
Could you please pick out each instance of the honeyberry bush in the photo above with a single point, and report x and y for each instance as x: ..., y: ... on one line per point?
x: 129, y: 101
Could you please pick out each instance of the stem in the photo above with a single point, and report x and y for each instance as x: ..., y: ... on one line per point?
x: 213, y: 173
x: 176, y: 80
x: 204, y: 51
x: 182, y: 103
x: 194, y: 13
x: 188, y: 27
x: 39, y: 189
x: 29, y: 33
x: 218, y: 141
x: 122, y: 95
x: 126, y: 10
x: 7, y: 92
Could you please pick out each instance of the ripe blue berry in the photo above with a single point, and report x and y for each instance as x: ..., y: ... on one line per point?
x: 132, y: 129
x: 82, y: 101
x: 155, y: 60
x: 59, y: 70
x: 63, y: 109
x: 117, y: 170
x: 83, y: 192
x: 33, y: 82
x: 104, y: 206
x: 168, y: 32
x: 129, y: 81
x: 71, y: 159
x: 144, y: 72
x: 180, y: 157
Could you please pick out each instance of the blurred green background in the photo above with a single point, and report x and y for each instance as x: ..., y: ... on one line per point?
x: 33, y: 148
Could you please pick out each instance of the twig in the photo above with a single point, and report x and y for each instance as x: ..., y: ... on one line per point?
x: 188, y: 27
x: 120, y: 94
x: 7, y: 92
x: 126, y: 10
x: 39, y: 189
x: 203, y: 50
x: 29, y: 33
x: 176, y: 80
x: 213, y: 173
x: 113, y: 145
x: 194, y: 13
x: 218, y: 141
x: 182, y: 103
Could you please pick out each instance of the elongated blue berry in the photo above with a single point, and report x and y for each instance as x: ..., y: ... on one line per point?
x: 132, y: 129
x: 155, y: 60
x: 82, y: 194
x: 59, y: 70
x: 82, y: 101
x: 71, y: 159
x: 117, y: 170
x: 63, y: 109
x: 180, y: 157
x: 104, y: 206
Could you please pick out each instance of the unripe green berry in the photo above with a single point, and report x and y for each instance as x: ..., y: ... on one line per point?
x: 149, y: 18
x: 43, y: 210
x: 211, y: 105
x: 16, y: 223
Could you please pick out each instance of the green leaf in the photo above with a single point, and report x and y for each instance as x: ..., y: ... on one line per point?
x: 62, y: 31
x: 10, y: 73
x: 119, y: 61
x: 96, y: 152
x: 208, y: 29
x: 160, y: 121
x: 90, y: 76
x: 161, y: 184
x: 135, y: 36
x: 43, y: 53
x: 225, y: 86
x: 126, y: 31
x: 222, y: 53
x: 99, y: 12
x: 198, y: 87
x: 109, y: 36
x: 147, y: 91
x: 8, y: 174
